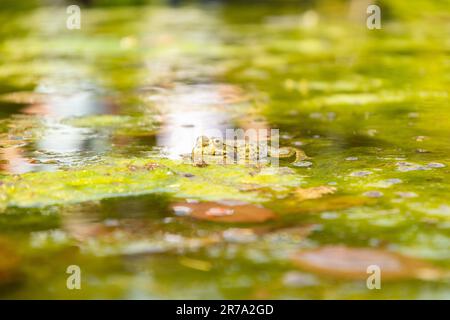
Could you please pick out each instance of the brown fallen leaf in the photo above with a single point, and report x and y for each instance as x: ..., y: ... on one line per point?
x: 231, y: 94
x: 299, y: 231
x: 295, y: 234
x: 313, y: 193
x: 24, y: 97
x: 132, y: 237
x: 148, y: 166
x: 272, y: 233
x: 328, y: 204
x: 351, y: 263
x: 86, y: 231
x: 240, y: 235
x: 9, y: 262
x: 196, y: 264
x: 225, y: 212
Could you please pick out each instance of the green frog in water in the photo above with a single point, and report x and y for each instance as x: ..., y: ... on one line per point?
x: 213, y: 150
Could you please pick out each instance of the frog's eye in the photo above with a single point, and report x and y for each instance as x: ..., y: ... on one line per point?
x: 203, y: 141
x: 216, y: 141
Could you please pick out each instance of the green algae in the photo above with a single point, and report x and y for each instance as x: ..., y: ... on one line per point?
x: 359, y: 102
x: 128, y: 177
x: 121, y: 125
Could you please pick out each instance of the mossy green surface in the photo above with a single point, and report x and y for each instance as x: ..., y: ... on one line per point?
x: 371, y: 108
x: 127, y: 177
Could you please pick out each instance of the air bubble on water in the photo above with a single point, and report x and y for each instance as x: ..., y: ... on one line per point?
x: 435, y: 165
x: 315, y: 115
x: 168, y: 220
x: 406, y: 194
x: 360, y: 173
x: 182, y: 211
x: 329, y: 215
x: 232, y: 202
x: 302, y: 164
x: 299, y: 280
x: 173, y: 238
x: 111, y: 222
x: 389, y: 182
x: 373, y: 194
x: 404, y: 166
x: 240, y: 235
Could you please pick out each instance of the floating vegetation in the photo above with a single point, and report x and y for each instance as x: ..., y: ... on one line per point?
x: 126, y: 177
x: 225, y: 212
x: 353, y: 263
x: 121, y: 125
x: 97, y: 129
x: 313, y: 193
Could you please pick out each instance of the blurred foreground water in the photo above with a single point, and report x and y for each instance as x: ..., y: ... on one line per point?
x: 371, y: 108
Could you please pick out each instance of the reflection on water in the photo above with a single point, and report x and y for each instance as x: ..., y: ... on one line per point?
x: 59, y: 143
x: 68, y: 98
x: 192, y: 111
x: 170, y: 70
x: 13, y: 161
x: 190, y: 101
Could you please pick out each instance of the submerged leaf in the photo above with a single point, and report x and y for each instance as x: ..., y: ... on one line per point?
x: 196, y: 264
x: 352, y: 263
x: 132, y: 237
x: 313, y: 193
x: 9, y: 262
x: 223, y: 212
x: 327, y: 204
x: 24, y: 97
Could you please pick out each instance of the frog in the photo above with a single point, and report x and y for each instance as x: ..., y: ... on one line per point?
x: 215, y: 150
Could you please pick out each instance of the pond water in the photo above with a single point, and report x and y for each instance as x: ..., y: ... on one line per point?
x: 94, y: 123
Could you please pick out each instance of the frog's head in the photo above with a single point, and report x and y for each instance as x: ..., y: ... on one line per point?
x: 208, y: 146
x: 218, y: 143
